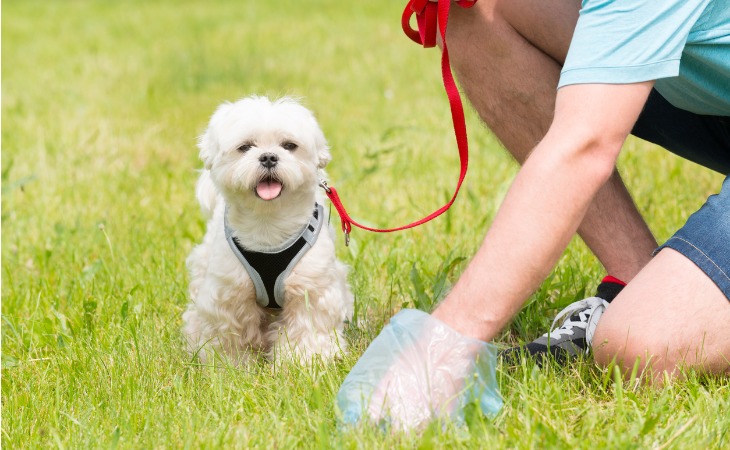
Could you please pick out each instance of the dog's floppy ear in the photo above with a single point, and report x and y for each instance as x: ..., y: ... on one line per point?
x: 208, y: 145
x: 208, y: 142
x: 323, y: 150
x: 206, y: 193
x: 324, y: 157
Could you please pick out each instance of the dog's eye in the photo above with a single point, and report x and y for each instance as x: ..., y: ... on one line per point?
x: 289, y: 146
x: 245, y: 147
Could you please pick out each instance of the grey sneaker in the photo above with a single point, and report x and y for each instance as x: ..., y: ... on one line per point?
x: 577, y: 324
x: 575, y: 334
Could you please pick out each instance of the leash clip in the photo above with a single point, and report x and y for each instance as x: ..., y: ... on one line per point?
x: 323, y: 185
x: 344, y: 217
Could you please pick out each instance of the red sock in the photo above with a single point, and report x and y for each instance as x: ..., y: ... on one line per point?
x: 609, y: 288
x: 612, y: 279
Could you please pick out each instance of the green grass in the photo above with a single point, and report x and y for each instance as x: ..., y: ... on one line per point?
x: 101, y: 106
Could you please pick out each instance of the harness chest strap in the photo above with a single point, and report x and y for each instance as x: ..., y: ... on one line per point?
x: 268, y: 270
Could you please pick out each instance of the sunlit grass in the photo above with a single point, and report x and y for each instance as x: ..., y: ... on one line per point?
x: 101, y: 106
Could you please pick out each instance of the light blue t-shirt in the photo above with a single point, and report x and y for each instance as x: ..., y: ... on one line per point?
x: 682, y: 44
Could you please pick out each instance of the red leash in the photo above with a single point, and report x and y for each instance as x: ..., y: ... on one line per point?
x: 431, y: 15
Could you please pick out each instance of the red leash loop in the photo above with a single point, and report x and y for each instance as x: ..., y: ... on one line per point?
x: 432, y: 16
x: 427, y: 17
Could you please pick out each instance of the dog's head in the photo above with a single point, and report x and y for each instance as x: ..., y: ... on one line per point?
x: 268, y: 149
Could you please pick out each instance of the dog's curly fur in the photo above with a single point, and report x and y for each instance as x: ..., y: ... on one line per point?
x: 266, y: 205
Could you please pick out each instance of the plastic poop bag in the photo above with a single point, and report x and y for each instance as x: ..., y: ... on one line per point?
x: 419, y: 369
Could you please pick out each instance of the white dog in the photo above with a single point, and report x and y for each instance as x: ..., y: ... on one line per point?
x: 265, y: 279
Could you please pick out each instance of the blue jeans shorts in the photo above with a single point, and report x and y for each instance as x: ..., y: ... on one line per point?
x: 705, y: 237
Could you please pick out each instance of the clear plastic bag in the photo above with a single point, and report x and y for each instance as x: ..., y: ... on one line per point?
x: 419, y: 369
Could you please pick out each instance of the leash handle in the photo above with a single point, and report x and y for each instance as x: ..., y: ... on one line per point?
x: 432, y: 16
x: 427, y: 16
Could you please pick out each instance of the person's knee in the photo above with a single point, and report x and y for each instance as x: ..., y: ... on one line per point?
x: 469, y: 26
x: 670, y: 317
x: 508, y: 26
x: 620, y: 340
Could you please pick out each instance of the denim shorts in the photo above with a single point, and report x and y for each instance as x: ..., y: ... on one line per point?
x: 705, y: 237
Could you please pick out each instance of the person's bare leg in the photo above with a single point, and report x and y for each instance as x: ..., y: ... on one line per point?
x: 671, y: 315
x: 507, y: 56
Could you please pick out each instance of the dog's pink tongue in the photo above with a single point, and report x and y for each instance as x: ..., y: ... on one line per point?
x: 268, y: 190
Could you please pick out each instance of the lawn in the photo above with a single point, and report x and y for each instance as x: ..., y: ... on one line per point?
x: 102, y: 103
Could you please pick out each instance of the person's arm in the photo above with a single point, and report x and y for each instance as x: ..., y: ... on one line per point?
x: 420, y: 366
x: 544, y: 206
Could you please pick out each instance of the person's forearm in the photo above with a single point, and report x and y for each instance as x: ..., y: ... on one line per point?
x: 533, y: 227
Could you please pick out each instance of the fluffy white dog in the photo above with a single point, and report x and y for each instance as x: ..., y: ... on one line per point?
x: 265, y: 279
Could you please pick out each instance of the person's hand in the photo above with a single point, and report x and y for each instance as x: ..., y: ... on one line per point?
x: 418, y: 369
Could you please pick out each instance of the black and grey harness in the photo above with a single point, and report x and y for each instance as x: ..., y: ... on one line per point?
x: 268, y: 270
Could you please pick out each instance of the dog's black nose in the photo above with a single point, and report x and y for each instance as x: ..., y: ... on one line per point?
x: 268, y: 160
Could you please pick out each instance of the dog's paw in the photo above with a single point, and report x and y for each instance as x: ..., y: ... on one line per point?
x: 307, y: 347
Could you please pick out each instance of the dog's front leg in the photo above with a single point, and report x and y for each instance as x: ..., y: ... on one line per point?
x: 222, y: 326
x: 309, y: 325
